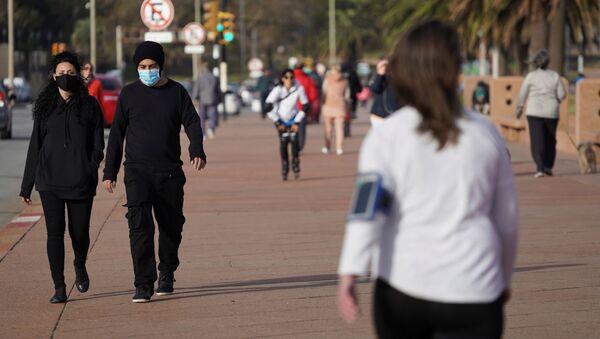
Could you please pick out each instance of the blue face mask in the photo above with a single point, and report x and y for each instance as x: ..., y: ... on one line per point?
x: 149, y: 77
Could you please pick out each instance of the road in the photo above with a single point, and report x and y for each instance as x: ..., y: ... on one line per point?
x: 12, y: 162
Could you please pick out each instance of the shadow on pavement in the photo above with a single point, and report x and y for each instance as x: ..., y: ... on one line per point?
x: 263, y: 285
x: 545, y: 267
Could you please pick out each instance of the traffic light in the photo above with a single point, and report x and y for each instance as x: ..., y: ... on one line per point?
x: 226, y: 27
x: 210, y: 18
x: 57, y: 47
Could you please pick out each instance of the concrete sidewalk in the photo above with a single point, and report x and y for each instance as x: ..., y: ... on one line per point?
x: 259, y: 256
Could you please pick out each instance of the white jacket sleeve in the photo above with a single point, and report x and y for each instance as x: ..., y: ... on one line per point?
x: 272, y: 99
x: 504, y: 213
x: 523, y: 92
x: 362, y: 237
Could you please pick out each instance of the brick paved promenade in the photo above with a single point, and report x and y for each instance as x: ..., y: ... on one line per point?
x: 259, y: 256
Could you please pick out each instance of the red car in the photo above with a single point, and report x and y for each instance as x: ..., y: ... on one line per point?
x: 111, y: 87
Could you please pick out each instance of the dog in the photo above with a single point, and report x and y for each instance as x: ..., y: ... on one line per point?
x: 587, y: 157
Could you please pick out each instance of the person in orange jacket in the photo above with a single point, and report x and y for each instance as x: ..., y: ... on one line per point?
x: 94, y: 85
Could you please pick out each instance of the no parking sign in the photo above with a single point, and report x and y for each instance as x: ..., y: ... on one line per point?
x: 193, y: 34
x: 157, y: 14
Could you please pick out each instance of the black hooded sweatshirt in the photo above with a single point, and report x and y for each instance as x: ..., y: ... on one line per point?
x: 150, y: 118
x: 65, y: 150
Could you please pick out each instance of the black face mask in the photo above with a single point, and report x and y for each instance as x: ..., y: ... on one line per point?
x: 67, y: 82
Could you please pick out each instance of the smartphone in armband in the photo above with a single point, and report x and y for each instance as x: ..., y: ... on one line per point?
x: 369, y: 197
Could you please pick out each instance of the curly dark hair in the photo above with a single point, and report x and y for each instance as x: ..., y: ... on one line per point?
x: 49, y: 95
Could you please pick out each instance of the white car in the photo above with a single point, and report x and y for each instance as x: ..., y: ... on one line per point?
x: 232, y: 100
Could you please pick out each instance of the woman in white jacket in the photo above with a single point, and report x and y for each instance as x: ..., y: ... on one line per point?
x: 282, y: 105
x: 443, y: 248
x: 543, y: 89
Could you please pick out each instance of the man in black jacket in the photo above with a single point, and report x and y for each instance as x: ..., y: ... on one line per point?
x: 149, y: 115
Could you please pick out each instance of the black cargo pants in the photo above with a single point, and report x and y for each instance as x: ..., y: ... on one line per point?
x: 162, y: 192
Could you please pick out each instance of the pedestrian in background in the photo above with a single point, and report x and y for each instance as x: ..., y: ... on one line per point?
x: 384, y: 98
x: 149, y: 116
x: 444, y: 237
x: 336, y: 94
x: 355, y: 88
x: 93, y: 85
x: 543, y: 89
x: 282, y: 104
x: 65, y: 150
x: 208, y: 94
x: 264, y: 85
x: 310, y: 89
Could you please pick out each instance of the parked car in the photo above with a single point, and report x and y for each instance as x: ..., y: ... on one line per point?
x: 233, y: 101
x: 111, y: 88
x: 5, y: 115
x: 248, y: 91
x: 22, y: 89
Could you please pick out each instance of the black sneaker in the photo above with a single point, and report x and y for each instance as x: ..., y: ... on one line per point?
x: 60, y: 296
x: 143, y: 293
x: 82, y: 280
x: 165, y: 284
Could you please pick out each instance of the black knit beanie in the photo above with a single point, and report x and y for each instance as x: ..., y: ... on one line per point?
x: 149, y: 50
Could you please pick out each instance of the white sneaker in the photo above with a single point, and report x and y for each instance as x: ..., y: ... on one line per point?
x: 210, y: 133
x: 539, y: 175
x: 339, y: 152
x: 325, y: 150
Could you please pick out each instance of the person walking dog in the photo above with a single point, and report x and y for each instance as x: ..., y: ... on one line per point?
x: 543, y: 89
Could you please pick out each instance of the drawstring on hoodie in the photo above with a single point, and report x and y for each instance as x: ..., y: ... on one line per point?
x: 67, y: 131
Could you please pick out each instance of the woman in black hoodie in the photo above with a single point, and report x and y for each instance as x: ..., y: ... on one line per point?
x: 64, y: 153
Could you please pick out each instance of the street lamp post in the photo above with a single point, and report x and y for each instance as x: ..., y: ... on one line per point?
x: 11, y: 44
x: 119, y: 47
x: 332, y: 56
x: 93, y: 32
x: 196, y: 57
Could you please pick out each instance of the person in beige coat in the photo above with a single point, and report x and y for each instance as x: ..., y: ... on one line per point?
x: 336, y: 93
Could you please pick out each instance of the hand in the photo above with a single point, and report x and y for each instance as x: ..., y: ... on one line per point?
x: 382, y: 67
x: 347, y: 301
x: 26, y: 200
x: 109, y: 185
x: 294, y: 128
x: 506, y: 294
x: 198, y: 163
x: 281, y: 128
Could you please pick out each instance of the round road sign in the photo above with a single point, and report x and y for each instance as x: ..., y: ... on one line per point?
x: 194, y: 34
x: 157, y: 14
x: 255, y: 65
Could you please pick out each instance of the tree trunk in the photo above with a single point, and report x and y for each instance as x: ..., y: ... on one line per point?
x: 557, y: 38
x: 539, y: 28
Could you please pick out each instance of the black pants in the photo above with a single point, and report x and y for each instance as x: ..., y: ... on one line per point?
x: 542, y: 134
x: 286, y: 138
x: 161, y: 192
x: 398, y: 315
x: 78, y: 212
x: 301, y: 134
